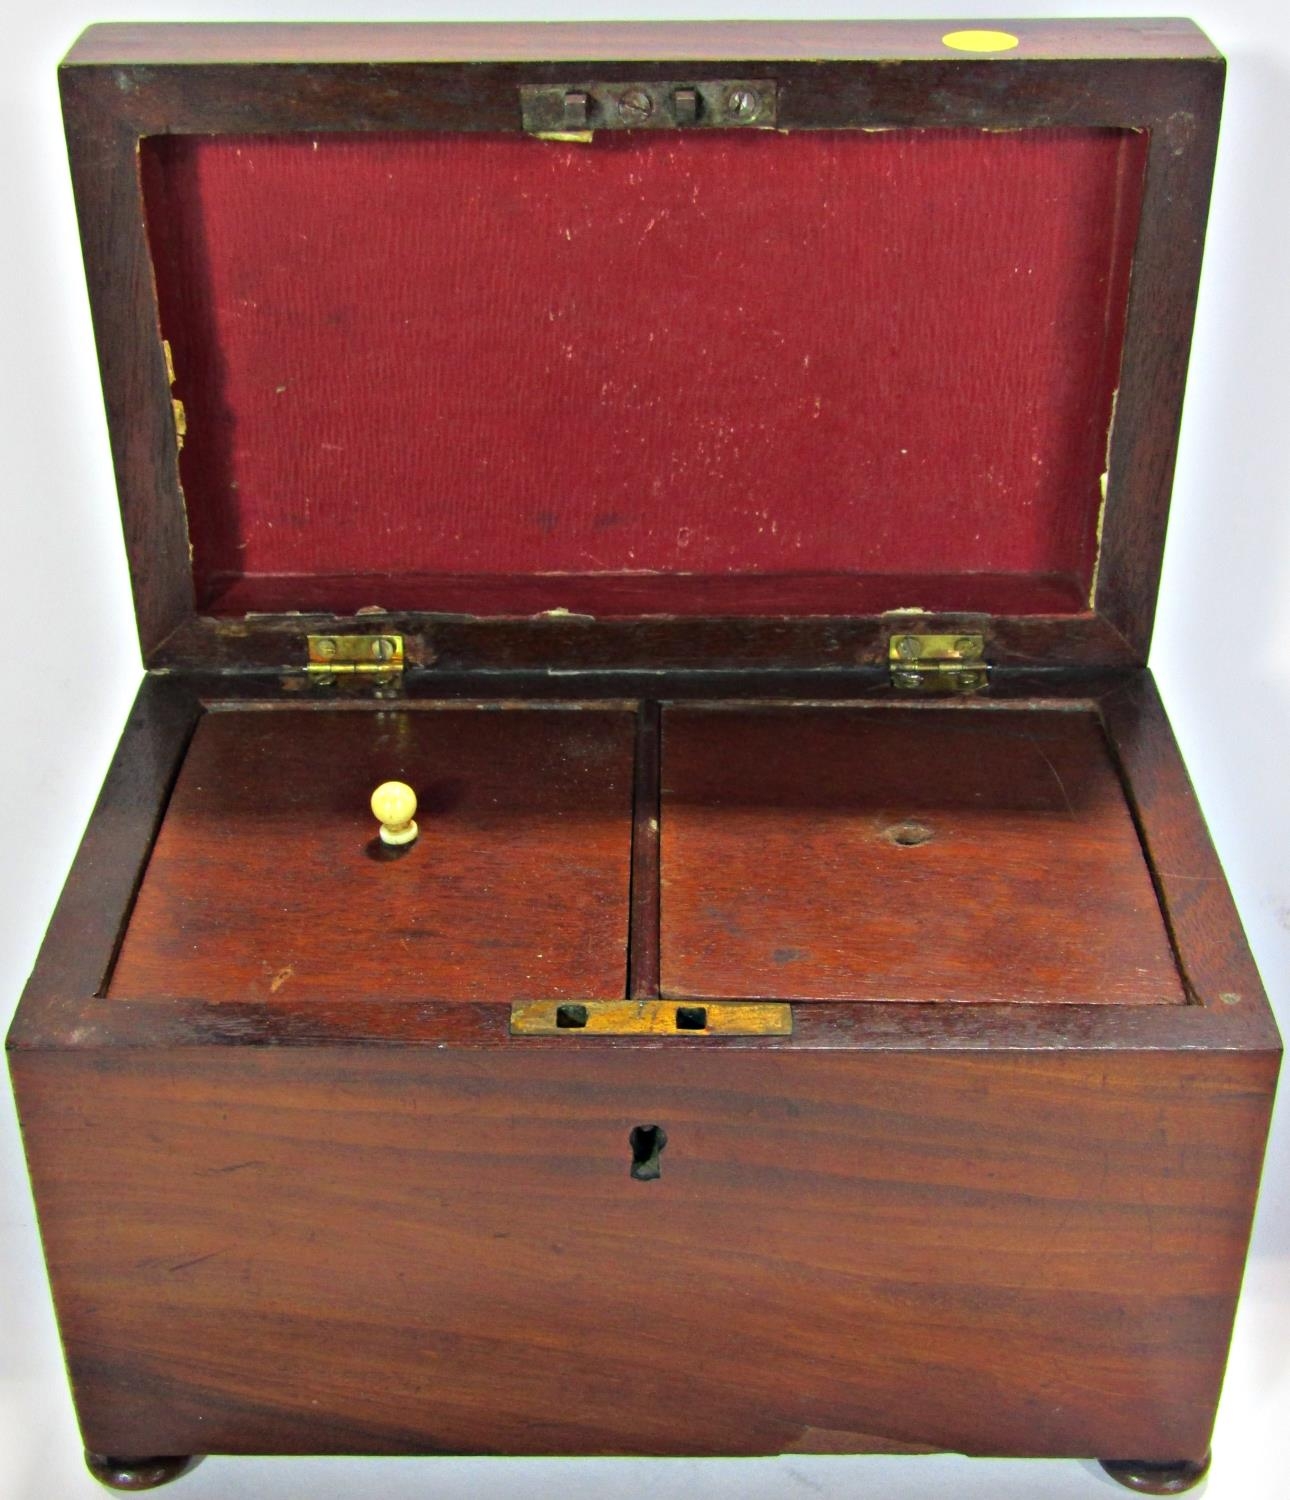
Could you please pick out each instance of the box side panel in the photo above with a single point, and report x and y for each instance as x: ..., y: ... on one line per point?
x: 304, y: 1250
x: 75, y: 958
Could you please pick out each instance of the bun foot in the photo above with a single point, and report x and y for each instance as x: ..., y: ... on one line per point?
x: 1156, y: 1478
x: 137, y: 1473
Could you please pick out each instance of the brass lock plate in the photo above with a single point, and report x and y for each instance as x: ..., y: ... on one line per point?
x: 577, y: 109
x: 651, y: 1018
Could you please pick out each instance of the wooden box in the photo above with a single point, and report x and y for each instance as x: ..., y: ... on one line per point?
x: 723, y: 470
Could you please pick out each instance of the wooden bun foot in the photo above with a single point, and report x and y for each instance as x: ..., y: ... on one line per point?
x: 137, y: 1473
x: 1156, y: 1478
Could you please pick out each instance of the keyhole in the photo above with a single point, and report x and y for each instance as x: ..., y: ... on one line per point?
x: 647, y: 1142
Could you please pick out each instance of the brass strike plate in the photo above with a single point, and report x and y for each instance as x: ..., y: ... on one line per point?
x: 651, y: 1018
x: 574, y: 110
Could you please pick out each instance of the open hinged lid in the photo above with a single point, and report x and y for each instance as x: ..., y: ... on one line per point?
x: 705, y: 345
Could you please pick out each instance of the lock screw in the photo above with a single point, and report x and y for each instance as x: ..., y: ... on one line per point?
x: 635, y: 107
x: 743, y: 103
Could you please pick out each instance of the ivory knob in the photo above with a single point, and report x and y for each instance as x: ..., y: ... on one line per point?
x: 394, y: 804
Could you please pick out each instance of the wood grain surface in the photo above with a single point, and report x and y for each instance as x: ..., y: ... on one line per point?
x: 838, y: 853
x: 223, y: 42
x: 262, y: 882
x: 401, y: 1251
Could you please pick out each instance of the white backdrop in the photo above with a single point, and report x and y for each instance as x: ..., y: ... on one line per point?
x: 71, y: 665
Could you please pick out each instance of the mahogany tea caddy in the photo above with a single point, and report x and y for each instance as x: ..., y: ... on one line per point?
x: 723, y: 472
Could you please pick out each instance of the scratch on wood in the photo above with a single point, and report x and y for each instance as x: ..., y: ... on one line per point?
x: 184, y: 1265
x: 1057, y: 775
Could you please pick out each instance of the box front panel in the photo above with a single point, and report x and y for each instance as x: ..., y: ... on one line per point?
x: 332, y: 1250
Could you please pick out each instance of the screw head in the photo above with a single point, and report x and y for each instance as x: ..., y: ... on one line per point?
x: 635, y: 106
x: 382, y: 650
x: 909, y: 647
x: 963, y: 646
x: 325, y: 647
x: 743, y: 103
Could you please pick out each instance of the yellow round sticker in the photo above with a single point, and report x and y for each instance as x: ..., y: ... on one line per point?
x: 980, y: 41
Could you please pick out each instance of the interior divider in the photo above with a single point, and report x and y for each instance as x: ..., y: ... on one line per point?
x: 643, y: 935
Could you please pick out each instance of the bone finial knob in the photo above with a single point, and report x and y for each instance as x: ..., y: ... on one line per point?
x: 394, y: 804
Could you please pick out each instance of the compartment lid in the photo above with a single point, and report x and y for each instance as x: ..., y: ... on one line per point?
x: 704, y: 345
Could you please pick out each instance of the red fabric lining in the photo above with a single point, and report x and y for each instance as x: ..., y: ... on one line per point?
x: 612, y: 595
x: 880, y: 355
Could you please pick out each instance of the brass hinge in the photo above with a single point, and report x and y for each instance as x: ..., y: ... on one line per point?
x: 938, y: 663
x: 377, y: 656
